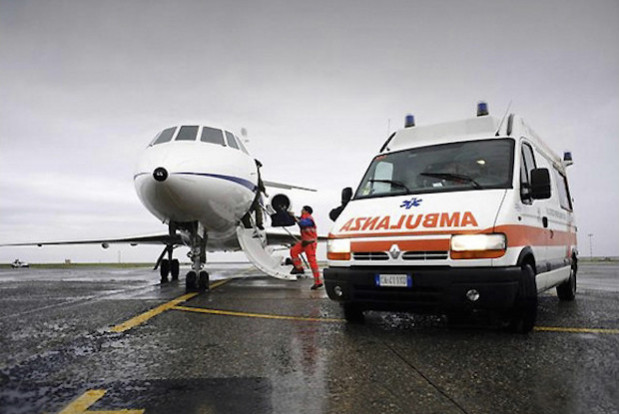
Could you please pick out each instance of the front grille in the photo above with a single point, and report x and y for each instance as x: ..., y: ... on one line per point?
x: 383, y: 256
x: 370, y: 256
x: 436, y: 255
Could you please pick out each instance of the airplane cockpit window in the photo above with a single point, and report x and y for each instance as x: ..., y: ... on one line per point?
x: 165, y: 136
x: 231, y: 141
x: 212, y: 135
x: 187, y: 133
x: 238, y: 140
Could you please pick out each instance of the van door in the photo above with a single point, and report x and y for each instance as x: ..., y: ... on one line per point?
x: 561, y: 221
x: 532, y: 220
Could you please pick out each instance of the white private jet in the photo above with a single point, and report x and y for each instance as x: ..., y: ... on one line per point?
x: 202, y: 182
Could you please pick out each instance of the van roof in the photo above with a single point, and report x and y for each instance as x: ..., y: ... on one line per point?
x: 483, y: 127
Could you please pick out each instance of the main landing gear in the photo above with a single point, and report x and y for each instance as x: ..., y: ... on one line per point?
x: 168, y: 266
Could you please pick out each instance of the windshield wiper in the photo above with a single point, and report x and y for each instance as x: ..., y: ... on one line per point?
x: 453, y: 177
x: 396, y: 183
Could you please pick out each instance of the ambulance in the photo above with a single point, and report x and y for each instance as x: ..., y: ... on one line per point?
x: 456, y: 218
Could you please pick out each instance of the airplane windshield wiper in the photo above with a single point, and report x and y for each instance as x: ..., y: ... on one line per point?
x: 396, y: 183
x: 453, y: 177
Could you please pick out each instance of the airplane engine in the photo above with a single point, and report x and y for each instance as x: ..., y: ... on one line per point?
x: 281, y: 202
x: 280, y: 205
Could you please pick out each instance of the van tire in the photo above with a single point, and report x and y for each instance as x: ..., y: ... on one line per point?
x: 353, y: 313
x: 567, y: 291
x: 525, y: 311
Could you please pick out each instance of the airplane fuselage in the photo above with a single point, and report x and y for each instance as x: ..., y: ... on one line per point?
x: 184, y: 180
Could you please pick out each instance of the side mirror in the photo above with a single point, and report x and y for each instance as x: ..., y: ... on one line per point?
x: 346, y: 195
x: 540, y: 184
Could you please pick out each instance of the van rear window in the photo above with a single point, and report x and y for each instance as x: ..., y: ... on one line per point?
x: 470, y: 165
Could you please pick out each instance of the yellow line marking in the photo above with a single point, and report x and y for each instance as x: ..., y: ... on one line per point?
x: 576, y: 330
x: 337, y: 320
x: 80, y: 404
x: 257, y: 315
x: 215, y: 285
x: 151, y: 313
x: 140, y: 319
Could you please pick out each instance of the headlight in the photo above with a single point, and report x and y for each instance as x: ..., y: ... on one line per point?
x: 338, y: 249
x: 478, y: 246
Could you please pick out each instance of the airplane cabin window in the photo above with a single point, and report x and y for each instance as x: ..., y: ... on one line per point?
x: 212, y: 135
x: 231, y: 141
x: 238, y: 140
x: 187, y: 133
x: 165, y: 136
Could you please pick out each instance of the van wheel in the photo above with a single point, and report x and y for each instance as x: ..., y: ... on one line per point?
x: 353, y: 313
x: 567, y: 291
x: 525, y: 311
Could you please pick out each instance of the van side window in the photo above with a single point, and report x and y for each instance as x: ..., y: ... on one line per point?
x: 564, y: 192
x: 528, y: 164
x: 230, y: 140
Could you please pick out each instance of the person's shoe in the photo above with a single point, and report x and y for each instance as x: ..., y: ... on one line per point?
x: 316, y: 286
x: 296, y: 271
x: 260, y: 226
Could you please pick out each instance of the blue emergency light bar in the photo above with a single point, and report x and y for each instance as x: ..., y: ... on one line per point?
x: 482, y: 108
x: 409, y: 121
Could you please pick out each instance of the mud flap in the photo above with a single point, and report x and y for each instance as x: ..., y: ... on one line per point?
x: 261, y: 255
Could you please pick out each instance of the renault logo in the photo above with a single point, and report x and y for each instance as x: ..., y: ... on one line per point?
x: 394, y: 251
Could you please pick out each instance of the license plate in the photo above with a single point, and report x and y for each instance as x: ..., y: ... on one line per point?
x: 394, y: 280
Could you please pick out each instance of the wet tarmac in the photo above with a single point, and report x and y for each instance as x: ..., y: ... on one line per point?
x: 108, y: 340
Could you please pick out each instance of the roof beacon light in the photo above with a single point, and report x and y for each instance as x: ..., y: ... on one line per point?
x: 482, y: 108
x: 567, y: 159
x: 409, y: 121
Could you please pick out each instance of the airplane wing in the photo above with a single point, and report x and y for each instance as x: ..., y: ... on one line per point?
x: 286, y: 186
x: 163, y: 238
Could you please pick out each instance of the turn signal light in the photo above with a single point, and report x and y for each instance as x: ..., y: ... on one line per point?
x: 478, y: 254
x: 338, y: 256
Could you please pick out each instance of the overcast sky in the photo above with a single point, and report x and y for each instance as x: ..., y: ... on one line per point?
x: 319, y: 85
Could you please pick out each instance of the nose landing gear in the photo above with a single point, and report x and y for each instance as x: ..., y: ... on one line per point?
x: 197, y: 279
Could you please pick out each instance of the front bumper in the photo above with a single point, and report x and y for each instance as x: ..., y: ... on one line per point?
x: 433, y: 290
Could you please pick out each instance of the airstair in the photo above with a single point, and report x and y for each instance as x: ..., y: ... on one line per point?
x: 265, y: 257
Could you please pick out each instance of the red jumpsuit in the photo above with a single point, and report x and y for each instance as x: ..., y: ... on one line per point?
x: 307, y: 245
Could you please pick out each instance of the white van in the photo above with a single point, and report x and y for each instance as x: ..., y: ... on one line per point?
x: 456, y: 217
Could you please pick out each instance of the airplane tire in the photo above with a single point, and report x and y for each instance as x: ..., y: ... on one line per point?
x: 203, y: 281
x: 353, y: 313
x: 191, y: 282
x: 525, y: 311
x: 175, y: 269
x: 164, y: 270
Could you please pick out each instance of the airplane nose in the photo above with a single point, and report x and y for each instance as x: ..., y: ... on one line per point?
x: 160, y: 174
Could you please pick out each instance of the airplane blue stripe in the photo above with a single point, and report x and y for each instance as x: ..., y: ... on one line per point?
x: 245, y: 183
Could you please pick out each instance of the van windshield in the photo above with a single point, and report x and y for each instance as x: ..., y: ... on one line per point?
x: 471, y: 165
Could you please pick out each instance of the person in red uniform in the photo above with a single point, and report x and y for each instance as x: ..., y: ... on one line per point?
x: 307, y: 245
